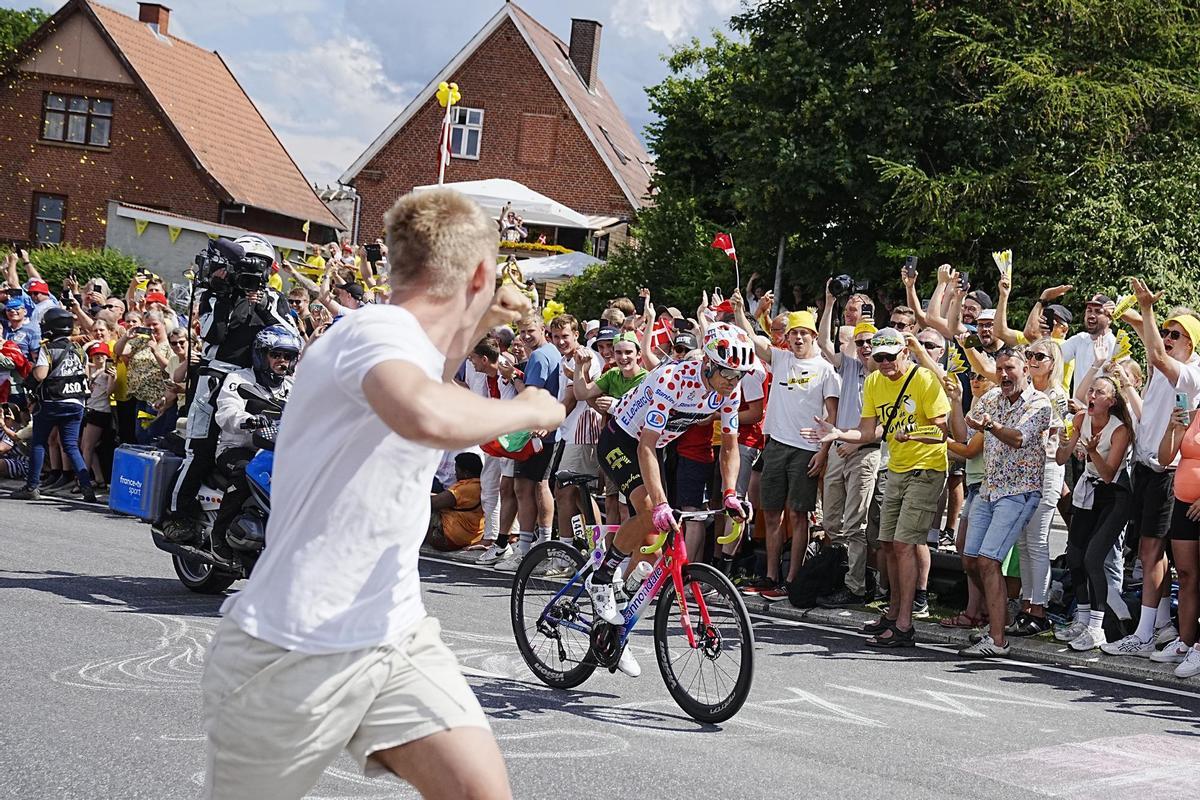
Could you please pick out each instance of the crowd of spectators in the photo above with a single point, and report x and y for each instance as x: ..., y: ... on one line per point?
x: 886, y: 430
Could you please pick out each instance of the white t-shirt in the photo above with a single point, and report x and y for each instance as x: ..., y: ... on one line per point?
x: 1157, y: 403
x: 350, y: 500
x: 799, y: 387
x: 582, y: 425
x: 1079, y: 348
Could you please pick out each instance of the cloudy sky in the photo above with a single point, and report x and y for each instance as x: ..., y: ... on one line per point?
x: 329, y: 75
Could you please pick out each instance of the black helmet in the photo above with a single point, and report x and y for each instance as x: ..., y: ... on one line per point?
x: 57, y: 323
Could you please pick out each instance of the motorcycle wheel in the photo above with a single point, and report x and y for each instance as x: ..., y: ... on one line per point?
x: 200, y: 576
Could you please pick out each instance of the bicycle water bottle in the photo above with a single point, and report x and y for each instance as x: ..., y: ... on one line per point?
x: 638, y: 575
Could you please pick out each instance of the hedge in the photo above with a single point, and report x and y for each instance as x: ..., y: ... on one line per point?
x: 55, y: 263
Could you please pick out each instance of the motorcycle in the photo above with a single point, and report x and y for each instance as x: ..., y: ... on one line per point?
x: 194, y: 563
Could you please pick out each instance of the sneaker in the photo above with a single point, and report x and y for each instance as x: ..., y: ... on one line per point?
x: 88, y: 495
x: 493, y: 554
x: 1190, y: 666
x: 985, y: 648
x: 1131, y: 645
x: 946, y: 540
x: 774, y: 593
x: 27, y: 493
x: 604, y: 601
x: 920, y: 609
x: 558, y: 566
x: 511, y: 563
x: 1092, y: 638
x: 1070, y: 632
x: 628, y: 664
x: 60, y: 482
x: 882, y: 593
x: 1013, y: 611
x: 1174, y: 653
x: 843, y: 598
x: 1166, y: 634
x: 757, y: 585
x: 1028, y: 625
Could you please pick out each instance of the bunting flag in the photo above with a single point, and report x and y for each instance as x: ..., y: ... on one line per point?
x: 287, y: 252
x: 140, y: 225
x: 305, y: 227
x: 1003, y: 259
x: 1124, y: 304
x: 173, y: 231
x: 214, y: 236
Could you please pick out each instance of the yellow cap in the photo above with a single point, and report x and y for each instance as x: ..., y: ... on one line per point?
x: 801, y: 319
x: 864, y: 327
x: 1189, y: 324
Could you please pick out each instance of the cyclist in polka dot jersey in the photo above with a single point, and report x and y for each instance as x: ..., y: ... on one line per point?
x: 668, y: 402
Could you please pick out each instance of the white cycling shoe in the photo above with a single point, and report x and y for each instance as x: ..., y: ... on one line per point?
x: 628, y: 664
x: 604, y: 600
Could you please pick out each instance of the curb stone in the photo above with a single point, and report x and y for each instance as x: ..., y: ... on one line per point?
x: 1037, y: 650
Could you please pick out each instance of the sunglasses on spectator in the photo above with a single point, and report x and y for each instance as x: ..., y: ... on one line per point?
x: 109, y: 305
x: 682, y: 349
x: 729, y: 374
x: 286, y: 355
x: 882, y: 357
x: 178, y: 341
x: 294, y: 302
x: 1173, y: 335
x: 1039, y: 356
x: 975, y: 376
x: 901, y: 326
x: 862, y: 342
x: 931, y: 345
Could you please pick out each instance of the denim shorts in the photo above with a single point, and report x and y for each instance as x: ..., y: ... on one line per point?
x: 995, y: 525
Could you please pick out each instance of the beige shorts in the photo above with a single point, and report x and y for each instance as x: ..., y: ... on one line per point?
x: 276, y: 718
x: 909, y: 505
x: 579, y: 458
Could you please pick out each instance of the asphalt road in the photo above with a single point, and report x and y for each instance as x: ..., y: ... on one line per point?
x: 103, y: 649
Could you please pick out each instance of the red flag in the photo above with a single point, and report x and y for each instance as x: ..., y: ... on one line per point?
x: 724, y: 242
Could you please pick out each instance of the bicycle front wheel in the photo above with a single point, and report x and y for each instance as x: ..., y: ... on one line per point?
x: 552, y: 615
x: 711, y: 680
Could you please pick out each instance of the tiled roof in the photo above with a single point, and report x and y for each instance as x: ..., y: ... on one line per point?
x: 597, y: 109
x: 220, y: 125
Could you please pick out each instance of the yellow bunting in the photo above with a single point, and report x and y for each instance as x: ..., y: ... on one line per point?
x: 1003, y: 259
x: 287, y: 252
x: 140, y: 225
x: 173, y: 231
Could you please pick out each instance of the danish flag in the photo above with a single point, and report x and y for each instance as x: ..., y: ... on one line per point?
x: 724, y: 242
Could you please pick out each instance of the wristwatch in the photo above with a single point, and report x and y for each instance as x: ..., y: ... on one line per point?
x: 991, y: 426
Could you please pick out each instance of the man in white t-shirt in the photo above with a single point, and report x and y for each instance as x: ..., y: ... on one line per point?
x: 329, y: 645
x: 804, y: 386
x: 1081, y: 348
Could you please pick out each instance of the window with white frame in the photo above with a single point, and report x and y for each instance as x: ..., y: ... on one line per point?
x: 466, y: 131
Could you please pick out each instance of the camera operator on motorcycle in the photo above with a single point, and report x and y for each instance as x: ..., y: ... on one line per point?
x: 236, y: 305
x: 274, y: 356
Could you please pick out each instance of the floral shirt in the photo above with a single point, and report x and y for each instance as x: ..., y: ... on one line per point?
x: 1015, y: 470
x: 147, y: 380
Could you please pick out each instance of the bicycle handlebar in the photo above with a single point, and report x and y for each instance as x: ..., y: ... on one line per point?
x: 695, y: 516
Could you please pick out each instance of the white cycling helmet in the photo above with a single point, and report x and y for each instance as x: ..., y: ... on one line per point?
x: 729, y: 347
x: 256, y: 246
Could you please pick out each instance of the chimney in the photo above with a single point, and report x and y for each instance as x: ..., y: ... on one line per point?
x: 155, y: 14
x: 585, y: 49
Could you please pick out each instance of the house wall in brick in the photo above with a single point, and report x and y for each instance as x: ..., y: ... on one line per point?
x: 504, y: 78
x: 144, y: 164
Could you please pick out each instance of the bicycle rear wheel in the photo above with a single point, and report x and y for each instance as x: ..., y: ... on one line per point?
x: 710, y: 681
x: 552, y: 625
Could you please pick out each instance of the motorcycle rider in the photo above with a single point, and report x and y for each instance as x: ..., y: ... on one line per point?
x: 235, y: 307
x: 59, y: 378
x: 273, y: 358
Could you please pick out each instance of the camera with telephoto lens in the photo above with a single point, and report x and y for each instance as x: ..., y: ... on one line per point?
x: 842, y: 285
x: 220, y: 254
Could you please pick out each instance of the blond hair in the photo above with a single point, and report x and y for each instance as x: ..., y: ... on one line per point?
x: 436, y: 239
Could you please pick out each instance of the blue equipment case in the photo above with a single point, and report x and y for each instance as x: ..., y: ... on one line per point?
x: 142, y: 479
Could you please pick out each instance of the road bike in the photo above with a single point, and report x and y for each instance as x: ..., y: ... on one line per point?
x: 708, y: 667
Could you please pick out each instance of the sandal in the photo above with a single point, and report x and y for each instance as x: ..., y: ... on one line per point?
x: 894, y: 637
x: 878, y: 626
x: 962, y: 620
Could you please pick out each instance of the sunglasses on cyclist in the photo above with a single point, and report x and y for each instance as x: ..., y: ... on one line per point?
x: 882, y: 357
x: 1173, y: 335
x: 286, y: 355
x: 729, y: 374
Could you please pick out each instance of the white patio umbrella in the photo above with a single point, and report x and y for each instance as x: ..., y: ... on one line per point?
x: 536, y: 209
x: 556, y: 267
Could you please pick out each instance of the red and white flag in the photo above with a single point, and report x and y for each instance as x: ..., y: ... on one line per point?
x: 444, y: 148
x: 724, y: 242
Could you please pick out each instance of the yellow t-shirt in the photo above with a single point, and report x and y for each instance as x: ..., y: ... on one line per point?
x: 924, y: 400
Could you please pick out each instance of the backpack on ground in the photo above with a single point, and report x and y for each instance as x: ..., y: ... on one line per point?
x: 824, y: 573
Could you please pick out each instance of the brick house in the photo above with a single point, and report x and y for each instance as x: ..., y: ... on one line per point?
x: 533, y: 110
x: 99, y: 106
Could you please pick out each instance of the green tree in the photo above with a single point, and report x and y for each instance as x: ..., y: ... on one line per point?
x: 1064, y: 129
x: 15, y: 27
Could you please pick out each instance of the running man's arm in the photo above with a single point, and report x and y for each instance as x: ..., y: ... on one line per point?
x: 446, y: 416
